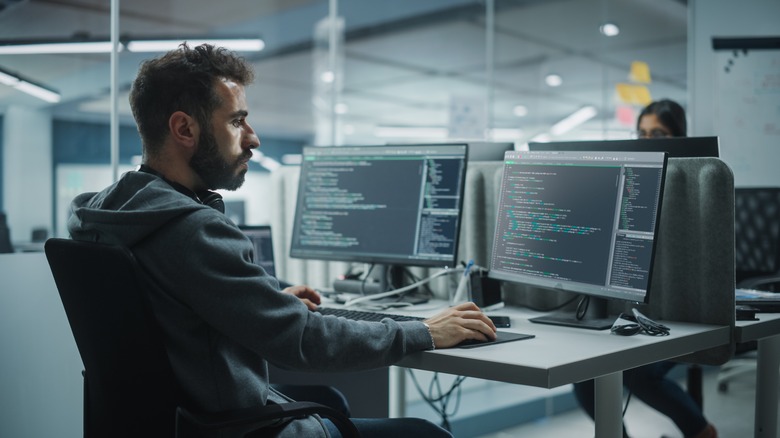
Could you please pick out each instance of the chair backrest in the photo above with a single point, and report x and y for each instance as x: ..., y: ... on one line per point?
x: 756, y: 232
x: 5, y: 236
x: 129, y: 389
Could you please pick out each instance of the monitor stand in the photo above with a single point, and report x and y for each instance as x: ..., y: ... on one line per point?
x: 595, y: 318
x: 383, y: 278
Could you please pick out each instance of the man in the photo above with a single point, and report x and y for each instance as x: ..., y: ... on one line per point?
x: 222, y: 316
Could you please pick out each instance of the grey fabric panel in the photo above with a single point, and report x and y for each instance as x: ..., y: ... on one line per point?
x: 693, y: 278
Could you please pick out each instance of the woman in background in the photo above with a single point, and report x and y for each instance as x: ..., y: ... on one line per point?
x: 662, y: 118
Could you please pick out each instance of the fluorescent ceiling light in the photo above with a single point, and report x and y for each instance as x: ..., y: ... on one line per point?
x: 573, y: 120
x: 157, y: 45
x: 411, y: 132
x: 28, y: 87
x: 38, y: 91
x: 239, y: 45
x: 54, y: 48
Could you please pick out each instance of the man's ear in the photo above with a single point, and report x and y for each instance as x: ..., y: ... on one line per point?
x: 183, y: 129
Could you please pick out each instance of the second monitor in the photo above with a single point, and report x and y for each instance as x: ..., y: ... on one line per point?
x: 391, y: 205
x: 582, y: 222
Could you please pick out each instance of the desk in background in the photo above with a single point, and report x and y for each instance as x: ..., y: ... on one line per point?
x: 767, y: 332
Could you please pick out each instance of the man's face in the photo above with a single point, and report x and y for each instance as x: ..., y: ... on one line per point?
x: 225, y: 145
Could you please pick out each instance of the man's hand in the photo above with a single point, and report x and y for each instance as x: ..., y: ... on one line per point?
x: 309, y: 296
x: 458, y: 323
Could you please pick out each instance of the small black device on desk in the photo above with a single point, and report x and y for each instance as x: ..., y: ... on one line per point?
x: 500, y: 321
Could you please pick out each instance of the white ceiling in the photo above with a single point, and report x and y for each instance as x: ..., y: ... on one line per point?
x: 404, y: 59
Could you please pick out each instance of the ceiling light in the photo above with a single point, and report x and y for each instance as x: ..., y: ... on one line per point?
x: 520, y: 110
x: 327, y: 77
x: 553, y: 80
x: 134, y: 45
x: 54, y: 48
x: 161, y: 45
x: 609, y: 29
x: 29, y: 87
x: 573, y: 120
x: 340, y: 108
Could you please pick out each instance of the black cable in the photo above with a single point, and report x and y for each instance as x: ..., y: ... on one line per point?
x: 363, y: 283
x: 582, y: 307
x: 440, y: 401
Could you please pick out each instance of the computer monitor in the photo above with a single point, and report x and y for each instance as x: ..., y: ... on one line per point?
x: 260, y: 236
x: 675, y: 147
x: 582, y: 222
x: 390, y: 205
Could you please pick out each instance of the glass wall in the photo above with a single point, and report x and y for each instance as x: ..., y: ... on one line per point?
x: 353, y: 72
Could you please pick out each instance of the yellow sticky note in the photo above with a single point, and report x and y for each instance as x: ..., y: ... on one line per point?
x: 640, y: 72
x: 633, y: 94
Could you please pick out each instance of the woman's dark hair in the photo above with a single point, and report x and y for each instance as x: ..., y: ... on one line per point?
x: 181, y: 80
x: 670, y: 114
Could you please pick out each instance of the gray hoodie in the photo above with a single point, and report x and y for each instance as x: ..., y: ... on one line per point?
x: 222, y: 316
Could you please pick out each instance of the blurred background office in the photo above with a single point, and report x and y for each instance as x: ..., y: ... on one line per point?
x: 348, y: 72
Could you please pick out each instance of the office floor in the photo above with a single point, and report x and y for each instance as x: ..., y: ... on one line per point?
x: 731, y: 413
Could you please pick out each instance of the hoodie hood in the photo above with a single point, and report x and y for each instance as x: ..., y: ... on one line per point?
x: 128, y: 211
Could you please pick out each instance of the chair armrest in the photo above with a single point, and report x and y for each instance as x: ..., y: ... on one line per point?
x: 240, y: 422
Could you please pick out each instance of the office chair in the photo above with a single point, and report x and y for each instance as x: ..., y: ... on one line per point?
x: 129, y: 386
x: 756, y: 260
x: 5, y: 236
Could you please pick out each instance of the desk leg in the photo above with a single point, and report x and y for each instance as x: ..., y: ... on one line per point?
x: 609, y: 396
x: 766, y: 387
x: 397, y: 382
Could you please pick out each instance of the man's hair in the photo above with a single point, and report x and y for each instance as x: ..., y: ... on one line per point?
x: 182, y: 80
x: 670, y: 114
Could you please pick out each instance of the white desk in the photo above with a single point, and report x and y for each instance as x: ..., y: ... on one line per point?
x: 767, y: 332
x: 560, y: 355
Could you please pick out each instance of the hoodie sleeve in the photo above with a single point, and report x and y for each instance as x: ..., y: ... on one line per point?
x: 218, y: 282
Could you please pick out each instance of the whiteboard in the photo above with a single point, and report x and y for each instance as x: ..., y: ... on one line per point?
x: 747, y: 117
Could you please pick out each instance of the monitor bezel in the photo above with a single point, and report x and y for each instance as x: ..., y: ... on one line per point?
x: 383, y: 259
x: 675, y: 147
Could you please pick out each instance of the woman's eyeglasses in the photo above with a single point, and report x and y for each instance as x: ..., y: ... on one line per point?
x: 654, y: 133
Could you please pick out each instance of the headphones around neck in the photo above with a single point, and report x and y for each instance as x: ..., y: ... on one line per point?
x: 206, y: 197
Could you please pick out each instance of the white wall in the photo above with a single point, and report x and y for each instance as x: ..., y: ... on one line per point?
x: 27, y: 176
x: 40, y: 367
x: 719, y: 18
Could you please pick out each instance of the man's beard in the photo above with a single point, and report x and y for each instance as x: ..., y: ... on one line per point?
x: 214, y: 170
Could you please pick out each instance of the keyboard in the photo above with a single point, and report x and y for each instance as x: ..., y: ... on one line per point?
x: 362, y: 315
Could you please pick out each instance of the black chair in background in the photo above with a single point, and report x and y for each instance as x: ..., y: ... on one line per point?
x: 129, y: 387
x: 5, y: 236
x: 756, y: 260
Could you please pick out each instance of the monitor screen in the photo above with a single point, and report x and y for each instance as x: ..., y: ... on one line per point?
x: 389, y: 204
x: 260, y: 236
x: 583, y: 222
x: 674, y: 146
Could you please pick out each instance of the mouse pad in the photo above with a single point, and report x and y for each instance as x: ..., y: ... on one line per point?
x: 500, y: 337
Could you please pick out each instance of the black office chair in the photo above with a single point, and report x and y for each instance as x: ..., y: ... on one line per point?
x: 129, y: 388
x: 756, y: 260
x: 5, y: 236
